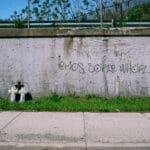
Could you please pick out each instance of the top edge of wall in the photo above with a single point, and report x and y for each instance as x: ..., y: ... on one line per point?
x: 74, y: 32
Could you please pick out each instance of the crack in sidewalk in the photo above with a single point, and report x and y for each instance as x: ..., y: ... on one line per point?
x: 85, y: 134
x: 10, y: 122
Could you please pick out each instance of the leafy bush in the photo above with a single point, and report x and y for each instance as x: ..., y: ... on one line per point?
x: 139, y: 12
x: 18, y: 23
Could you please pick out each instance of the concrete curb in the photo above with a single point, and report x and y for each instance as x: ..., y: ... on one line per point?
x: 47, y: 146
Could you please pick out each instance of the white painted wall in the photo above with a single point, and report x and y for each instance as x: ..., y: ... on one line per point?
x: 89, y: 65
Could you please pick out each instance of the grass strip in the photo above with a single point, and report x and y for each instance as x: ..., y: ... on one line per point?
x: 80, y: 104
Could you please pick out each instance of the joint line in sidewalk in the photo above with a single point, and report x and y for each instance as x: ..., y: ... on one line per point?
x: 85, y: 134
x: 10, y: 121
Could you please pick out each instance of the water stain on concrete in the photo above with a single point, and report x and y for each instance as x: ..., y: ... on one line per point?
x: 68, y: 44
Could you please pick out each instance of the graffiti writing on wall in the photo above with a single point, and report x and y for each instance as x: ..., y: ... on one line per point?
x: 107, y: 68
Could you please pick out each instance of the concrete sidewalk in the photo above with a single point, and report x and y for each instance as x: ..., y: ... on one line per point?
x: 74, y: 131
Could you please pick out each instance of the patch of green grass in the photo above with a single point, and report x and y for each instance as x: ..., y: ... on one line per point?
x: 81, y: 104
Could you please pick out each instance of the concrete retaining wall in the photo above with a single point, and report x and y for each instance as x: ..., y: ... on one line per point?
x: 101, y: 64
